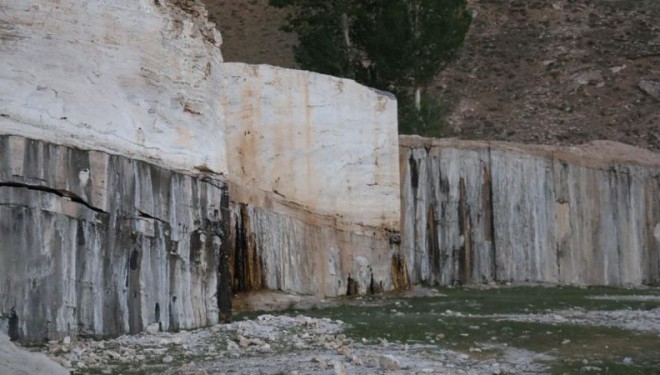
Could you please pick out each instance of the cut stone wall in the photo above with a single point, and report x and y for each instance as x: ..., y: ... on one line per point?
x: 475, y: 212
x: 112, y: 113
x: 138, y: 78
x: 95, y: 244
x: 313, y: 161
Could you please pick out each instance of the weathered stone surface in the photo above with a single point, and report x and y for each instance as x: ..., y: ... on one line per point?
x: 302, y: 252
x: 323, y: 143
x: 483, y: 211
x: 15, y: 361
x: 313, y: 162
x: 136, y: 78
x: 97, y: 244
x: 145, y: 79
x: 652, y: 88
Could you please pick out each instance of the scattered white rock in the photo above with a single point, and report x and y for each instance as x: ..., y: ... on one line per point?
x: 232, y: 346
x: 340, y: 368
x: 153, y: 329
x: 168, y: 359
x: 388, y: 362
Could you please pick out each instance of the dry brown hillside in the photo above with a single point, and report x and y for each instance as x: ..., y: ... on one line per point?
x: 535, y: 71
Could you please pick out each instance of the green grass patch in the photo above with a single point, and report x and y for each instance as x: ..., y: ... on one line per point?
x: 421, y: 320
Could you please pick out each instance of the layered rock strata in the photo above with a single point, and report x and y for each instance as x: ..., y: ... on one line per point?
x: 475, y: 212
x: 96, y: 244
x: 112, y: 113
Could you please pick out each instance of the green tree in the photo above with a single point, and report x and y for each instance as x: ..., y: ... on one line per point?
x: 394, y: 45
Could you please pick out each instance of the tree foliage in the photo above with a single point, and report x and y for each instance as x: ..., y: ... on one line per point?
x: 394, y: 45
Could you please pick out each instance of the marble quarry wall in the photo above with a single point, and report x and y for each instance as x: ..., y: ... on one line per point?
x: 96, y: 244
x: 478, y: 212
x: 132, y: 155
x: 313, y: 165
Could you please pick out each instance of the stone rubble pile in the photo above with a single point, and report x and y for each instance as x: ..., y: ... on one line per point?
x: 269, y: 344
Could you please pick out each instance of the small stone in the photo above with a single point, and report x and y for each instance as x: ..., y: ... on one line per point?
x: 112, y: 354
x: 67, y: 340
x: 153, y: 329
x: 344, y: 350
x: 81, y: 365
x: 627, y: 361
x: 265, y: 348
x: 201, y: 372
x: 339, y: 368
x: 168, y: 359
x: 617, y: 69
x: 232, y: 346
x: 177, y: 341
x: 566, y: 341
x: 388, y: 362
x: 652, y: 88
x: 243, y: 342
x: 320, y: 361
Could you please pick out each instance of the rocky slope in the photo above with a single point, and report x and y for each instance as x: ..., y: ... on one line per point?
x: 548, y: 72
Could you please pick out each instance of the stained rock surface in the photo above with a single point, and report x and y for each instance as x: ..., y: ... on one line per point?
x: 97, y: 244
x: 149, y: 83
x: 313, y: 166
x: 478, y: 212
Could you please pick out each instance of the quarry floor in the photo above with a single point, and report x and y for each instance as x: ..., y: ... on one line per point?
x: 485, y: 330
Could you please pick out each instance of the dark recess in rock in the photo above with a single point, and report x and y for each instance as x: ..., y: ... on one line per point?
x: 13, y: 325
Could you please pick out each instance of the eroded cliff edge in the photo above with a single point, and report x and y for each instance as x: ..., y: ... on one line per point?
x: 477, y: 212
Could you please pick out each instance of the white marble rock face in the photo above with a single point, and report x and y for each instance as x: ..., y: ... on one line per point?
x: 137, y: 78
x: 477, y: 212
x: 327, y: 144
x: 314, y: 159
